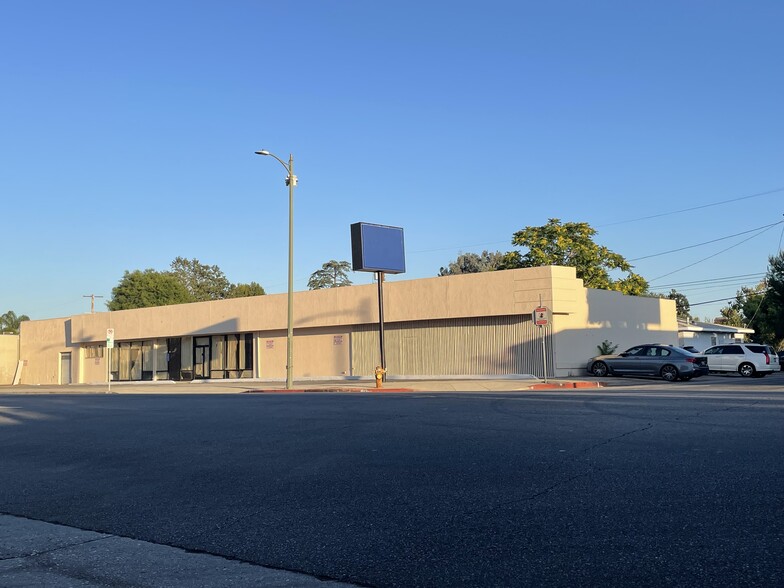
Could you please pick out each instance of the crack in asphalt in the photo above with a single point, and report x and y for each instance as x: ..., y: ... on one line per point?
x: 55, y: 549
x: 726, y: 409
x: 621, y: 436
x: 564, y: 481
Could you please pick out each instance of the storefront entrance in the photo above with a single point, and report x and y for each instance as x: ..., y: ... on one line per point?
x: 201, y: 358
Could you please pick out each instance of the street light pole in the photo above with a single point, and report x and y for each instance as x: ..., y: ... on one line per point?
x: 291, y: 181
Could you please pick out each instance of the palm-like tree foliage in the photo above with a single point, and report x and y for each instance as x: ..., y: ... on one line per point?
x: 9, y: 322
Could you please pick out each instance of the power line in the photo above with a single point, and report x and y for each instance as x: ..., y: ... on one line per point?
x: 706, y: 242
x: 725, y: 299
x: 739, y: 276
x: 714, y: 287
x: 710, y: 256
x: 460, y: 247
x: 507, y: 241
x: 632, y: 220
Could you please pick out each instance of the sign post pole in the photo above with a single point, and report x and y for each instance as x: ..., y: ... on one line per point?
x: 381, y: 323
x: 378, y: 249
x: 541, y: 318
x: 544, y: 355
x: 109, y: 347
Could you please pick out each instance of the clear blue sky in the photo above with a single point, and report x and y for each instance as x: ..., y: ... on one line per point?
x: 128, y: 129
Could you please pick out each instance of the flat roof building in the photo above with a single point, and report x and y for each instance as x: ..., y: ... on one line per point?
x: 471, y: 324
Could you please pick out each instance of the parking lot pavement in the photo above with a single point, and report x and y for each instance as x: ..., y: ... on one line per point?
x: 35, y: 553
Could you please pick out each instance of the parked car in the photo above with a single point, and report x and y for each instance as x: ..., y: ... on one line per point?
x: 665, y: 361
x: 781, y: 360
x: 748, y: 359
x: 691, y: 349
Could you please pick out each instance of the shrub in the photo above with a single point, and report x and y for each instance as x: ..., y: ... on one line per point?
x: 606, y: 347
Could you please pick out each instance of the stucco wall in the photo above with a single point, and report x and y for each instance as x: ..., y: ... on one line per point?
x: 93, y: 369
x: 473, y: 295
x: 582, y: 318
x: 606, y: 315
x: 41, y: 343
x: 317, y: 352
x: 9, y: 357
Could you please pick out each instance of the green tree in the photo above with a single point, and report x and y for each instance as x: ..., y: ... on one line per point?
x: 732, y: 315
x: 203, y: 282
x: 762, y: 307
x: 572, y: 245
x: 245, y: 290
x: 332, y: 274
x: 751, y: 308
x: 141, y: 289
x: 682, y: 306
x: 10, y: 322
x: 775, y: 298
x: 472, y: 263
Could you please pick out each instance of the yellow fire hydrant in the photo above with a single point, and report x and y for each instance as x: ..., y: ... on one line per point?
x: 380, y: 376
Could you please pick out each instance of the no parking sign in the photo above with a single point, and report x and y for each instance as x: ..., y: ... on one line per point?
x: 541, y: 316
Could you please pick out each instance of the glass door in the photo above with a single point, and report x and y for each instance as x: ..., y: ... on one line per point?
x: 201, y: 357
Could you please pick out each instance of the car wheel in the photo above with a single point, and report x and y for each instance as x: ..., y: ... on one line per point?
x: 599, y: 369
x: 669, y: 373
x: 746, y: 370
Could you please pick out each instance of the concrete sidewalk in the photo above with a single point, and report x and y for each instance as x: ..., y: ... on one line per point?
x: 515, y: 383
x: 35, y: 553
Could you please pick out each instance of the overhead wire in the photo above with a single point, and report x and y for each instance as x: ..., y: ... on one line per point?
x: 706, y: 242
x: 631, y: 220
x: 756, y: 195
x: 758, y: 231
x: 714, y: 255
x: 765, y: 293
x: 712, y: 280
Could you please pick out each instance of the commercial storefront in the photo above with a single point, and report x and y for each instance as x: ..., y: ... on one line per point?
x: 476, y: 324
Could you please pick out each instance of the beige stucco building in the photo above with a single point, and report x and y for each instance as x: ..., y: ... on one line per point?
x: 9, y: 356
x: 458, y: 325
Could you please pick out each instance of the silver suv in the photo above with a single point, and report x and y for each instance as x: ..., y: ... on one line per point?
x: 748, y: 359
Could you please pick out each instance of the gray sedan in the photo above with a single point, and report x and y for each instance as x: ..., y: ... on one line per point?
x: 665, y: 361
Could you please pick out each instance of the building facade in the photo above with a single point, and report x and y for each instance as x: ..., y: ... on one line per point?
x: 703, y: 335
x: 474, y: 324
x: 9, y: 357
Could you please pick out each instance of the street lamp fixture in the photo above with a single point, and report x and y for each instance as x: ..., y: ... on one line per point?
x: 291, y: 181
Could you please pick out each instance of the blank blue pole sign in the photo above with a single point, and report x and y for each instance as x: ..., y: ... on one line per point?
x: 377, y: 248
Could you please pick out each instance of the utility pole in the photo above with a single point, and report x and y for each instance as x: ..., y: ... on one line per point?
x: 92, y: 298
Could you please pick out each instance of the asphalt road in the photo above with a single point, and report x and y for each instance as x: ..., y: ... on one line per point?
x: 666, y: 485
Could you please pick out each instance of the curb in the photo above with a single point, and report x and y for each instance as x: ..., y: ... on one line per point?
x: 540, y: 386
x: 299, y: 390
x: 555, y: 386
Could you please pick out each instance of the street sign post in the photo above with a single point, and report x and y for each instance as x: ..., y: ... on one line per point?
x: 109, y: 347
x: 541, y: 318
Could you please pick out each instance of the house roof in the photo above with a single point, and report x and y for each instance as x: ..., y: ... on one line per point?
x: 697, y: 327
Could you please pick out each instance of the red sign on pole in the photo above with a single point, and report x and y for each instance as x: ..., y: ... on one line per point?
x: 541, y: 316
